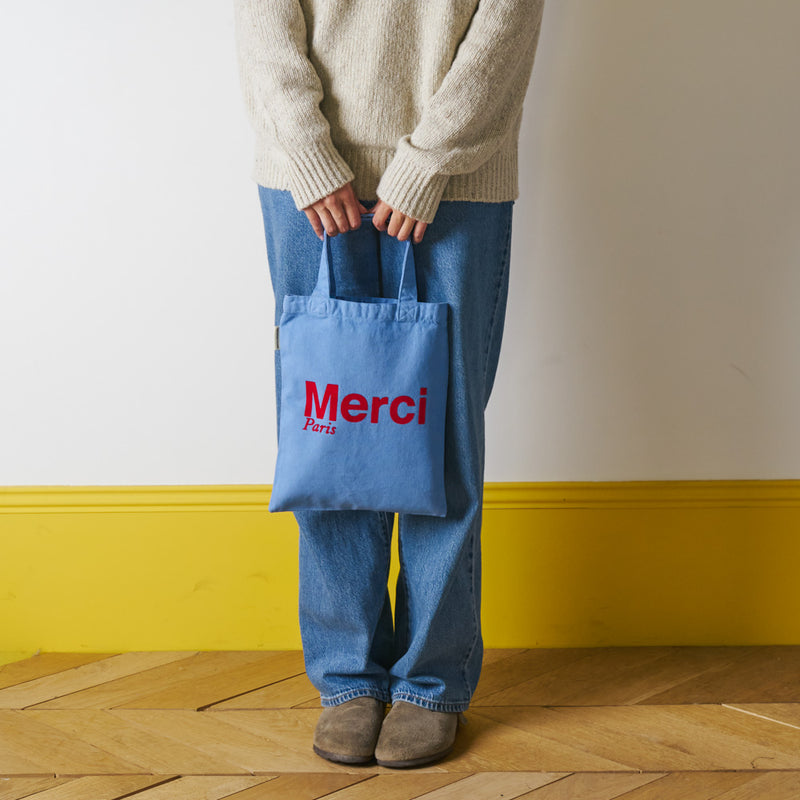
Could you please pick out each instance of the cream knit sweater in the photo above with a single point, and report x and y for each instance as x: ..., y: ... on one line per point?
x: 414, y: 101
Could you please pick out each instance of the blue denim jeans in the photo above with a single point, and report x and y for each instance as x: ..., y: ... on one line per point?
x: 431, y: 653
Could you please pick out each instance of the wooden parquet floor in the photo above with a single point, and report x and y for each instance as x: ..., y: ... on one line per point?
x: 634, y: 723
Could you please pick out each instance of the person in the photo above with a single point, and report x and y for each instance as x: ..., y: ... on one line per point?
x: 410, y: 109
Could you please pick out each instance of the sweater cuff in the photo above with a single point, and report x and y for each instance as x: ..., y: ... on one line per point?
x: 410, y: 189
x: 315, y: 172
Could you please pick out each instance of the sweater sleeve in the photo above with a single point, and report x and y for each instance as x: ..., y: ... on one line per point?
x: 477, y: 105
x: 282, y: 92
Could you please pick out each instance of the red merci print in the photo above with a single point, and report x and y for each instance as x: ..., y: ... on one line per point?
x: 356, y: 408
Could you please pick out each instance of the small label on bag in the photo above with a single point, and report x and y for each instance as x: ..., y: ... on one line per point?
x: 277, y: 337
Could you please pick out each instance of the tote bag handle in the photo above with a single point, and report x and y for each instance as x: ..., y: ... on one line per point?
x: 407, y: 294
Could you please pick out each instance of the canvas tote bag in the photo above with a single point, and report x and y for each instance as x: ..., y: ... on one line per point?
x: 363, y: 395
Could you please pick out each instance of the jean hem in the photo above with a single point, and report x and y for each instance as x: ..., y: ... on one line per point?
x: 430, y: 704
x: 352, y: 694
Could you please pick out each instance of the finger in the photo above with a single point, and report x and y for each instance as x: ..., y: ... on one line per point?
x: 314, y: 219
x: 395, y: 223
x: 381, y: 213
x: 406, y: 228
x: 352, y: 209
x: 327, y: 221
x: 337, y: 212
x: 419, y: 231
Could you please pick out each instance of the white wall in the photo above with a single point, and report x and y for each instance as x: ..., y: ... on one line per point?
x: 654, y: 320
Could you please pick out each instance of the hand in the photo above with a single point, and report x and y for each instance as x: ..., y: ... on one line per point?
x: 399, y: 224
x: 339, y: 212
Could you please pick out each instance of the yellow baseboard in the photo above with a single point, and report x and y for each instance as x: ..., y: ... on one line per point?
x: 109, y: 569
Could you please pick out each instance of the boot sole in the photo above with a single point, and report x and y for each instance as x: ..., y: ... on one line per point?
x: 342, y: 758
x: 414, y: 762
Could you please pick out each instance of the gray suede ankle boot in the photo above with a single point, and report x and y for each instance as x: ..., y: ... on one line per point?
x: 412, y: 736
x: 348, y: 732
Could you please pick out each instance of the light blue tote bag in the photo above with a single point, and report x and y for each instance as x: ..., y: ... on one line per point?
x: 363, y: 395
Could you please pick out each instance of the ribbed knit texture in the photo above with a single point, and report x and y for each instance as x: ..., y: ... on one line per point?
x: 414, y: 101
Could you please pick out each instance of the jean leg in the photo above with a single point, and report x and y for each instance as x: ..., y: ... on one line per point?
x: 345, y: 614
x: 464, y: 261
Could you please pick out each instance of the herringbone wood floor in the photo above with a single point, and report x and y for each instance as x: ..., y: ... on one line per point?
x: 633, y: 723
